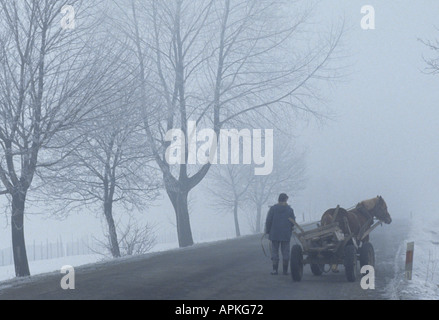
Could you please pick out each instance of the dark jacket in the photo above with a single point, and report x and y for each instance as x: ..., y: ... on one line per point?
x: 277, y: 225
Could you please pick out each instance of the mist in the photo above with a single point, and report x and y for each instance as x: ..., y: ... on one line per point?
x: 379, y: 136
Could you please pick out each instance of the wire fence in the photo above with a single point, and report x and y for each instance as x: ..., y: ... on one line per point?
x: 48, y: 250
x: 45, y: 250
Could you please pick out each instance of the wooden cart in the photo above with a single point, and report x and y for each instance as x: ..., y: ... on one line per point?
x: 329, y: 245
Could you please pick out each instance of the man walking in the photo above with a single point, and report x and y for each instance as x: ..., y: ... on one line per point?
x: 279, y: 228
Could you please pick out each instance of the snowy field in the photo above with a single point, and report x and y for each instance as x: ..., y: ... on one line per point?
x: 47, y: 266
x: 39, y: 268
x: 425, y: 282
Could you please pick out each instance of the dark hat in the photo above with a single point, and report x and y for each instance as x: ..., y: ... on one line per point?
x: 283, y: 198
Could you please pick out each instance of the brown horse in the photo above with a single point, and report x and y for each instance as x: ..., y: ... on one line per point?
x: 360, y: 218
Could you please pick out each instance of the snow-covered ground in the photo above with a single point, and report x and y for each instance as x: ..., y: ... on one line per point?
x: 39, y: 268
x: 425, y: 278
x: 47, y: 266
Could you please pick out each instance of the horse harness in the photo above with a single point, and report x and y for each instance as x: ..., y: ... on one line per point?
x: 369, y: 219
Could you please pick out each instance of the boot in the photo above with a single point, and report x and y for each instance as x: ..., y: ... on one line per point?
x: 275, y: 268
x: 285, y: 267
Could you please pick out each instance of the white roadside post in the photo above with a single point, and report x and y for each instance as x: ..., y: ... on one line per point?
x: 409, y: 260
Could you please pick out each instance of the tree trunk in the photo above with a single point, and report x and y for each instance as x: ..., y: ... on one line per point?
x: 112, y: 233
x: 258, y: 218
x: 18, y: 242
x: 235, y: 215
x: 180, y: 204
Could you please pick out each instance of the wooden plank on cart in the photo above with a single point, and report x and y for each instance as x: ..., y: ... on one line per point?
x: 336, y: 213
x: 297, y: 225
x: 367, y: 232
x: 328, y: 247
x: 324, y: 231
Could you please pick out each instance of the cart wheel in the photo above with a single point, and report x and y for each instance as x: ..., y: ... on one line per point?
x: 296, y: 263
x: 367, y: 255
x: 317, y: 269
x: 350, y: 263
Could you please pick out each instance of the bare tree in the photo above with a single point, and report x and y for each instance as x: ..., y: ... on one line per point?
x: 137, y: 240
x: 228, y: 187
x: 49, y: 82
x: 288, y: 176
x: 433, y: 62
x: 218, y: 62
x: 109, y: 165
x: 134, y: 239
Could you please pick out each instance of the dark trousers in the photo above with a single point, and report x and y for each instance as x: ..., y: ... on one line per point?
x: 284, y: 247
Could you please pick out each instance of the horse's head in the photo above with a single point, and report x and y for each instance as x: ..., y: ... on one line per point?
x: 381, y: 212
x: 378, y: 208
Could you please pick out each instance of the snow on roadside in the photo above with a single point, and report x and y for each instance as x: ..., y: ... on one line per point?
x: 41, y: 269
x: 55, y: 265
x: 425, y: 278
x: 43, y: 266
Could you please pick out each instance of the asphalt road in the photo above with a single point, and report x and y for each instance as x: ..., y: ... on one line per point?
x: 228, y: 270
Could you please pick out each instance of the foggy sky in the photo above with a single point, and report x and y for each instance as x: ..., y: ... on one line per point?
x: 383, y: 139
